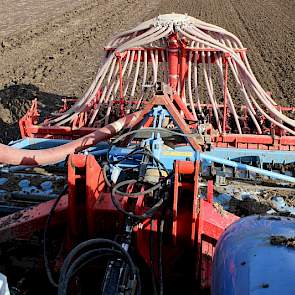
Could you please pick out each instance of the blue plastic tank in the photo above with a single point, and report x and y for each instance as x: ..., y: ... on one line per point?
x: 253, y: 257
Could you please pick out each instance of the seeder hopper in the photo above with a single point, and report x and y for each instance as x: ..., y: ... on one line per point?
x: 149, y: 182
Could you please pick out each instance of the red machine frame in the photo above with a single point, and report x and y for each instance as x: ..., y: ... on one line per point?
x: 87, y: 210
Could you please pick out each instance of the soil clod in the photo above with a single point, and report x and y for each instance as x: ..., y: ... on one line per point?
x: 283, y: 241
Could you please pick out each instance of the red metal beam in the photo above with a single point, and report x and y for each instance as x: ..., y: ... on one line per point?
x: 25, y: 223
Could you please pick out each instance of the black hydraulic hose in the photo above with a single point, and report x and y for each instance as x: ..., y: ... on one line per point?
x: 141, y: 151
x: 45, y: 237
x: 116, y: 187
x: 155, y: 291
x: 126, y: 182
x: 92, y: 243
x: 160, y: 262
x: 145, y: 215
x: 84, y: 246
x: 104, y: 173
x: 136, y: 151
x: 93, y: 254
x: 82, y: 261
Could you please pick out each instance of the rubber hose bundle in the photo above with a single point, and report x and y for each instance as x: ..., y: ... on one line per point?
x: 89, y: 251
x: 115, y: 188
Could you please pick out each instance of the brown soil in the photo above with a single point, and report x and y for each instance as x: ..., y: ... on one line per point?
x: 54, y: 47
x: 283, y: 241
x: 259, y: 200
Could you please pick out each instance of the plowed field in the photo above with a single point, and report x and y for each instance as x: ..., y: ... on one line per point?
x: 50, y: 49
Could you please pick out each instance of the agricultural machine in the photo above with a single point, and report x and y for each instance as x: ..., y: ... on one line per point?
x: 140, y: 186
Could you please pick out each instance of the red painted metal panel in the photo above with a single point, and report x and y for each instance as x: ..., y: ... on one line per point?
x: 26, y: 222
